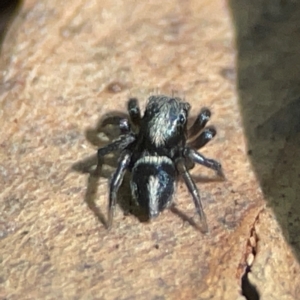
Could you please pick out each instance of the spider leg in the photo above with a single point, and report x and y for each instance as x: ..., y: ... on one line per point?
x: 200, y: 122
x: 122, y: 121
x: 202, y: 160
x: 181, y: 167
x: 115, y: 183
x: 205, y: 136
x: 124, y: 126
x: 189, y: 163
x: 134, y: 111
x: 119, y: 144
x: 112, y: 119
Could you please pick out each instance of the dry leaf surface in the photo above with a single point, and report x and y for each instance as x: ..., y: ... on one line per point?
x: 66, y: 64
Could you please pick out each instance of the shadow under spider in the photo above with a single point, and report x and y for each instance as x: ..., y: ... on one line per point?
x: 106, y: 130
x: 185, y: 218
x: 88, y: 166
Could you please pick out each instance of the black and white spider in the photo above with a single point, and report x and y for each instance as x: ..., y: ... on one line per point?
x: 157, y: 148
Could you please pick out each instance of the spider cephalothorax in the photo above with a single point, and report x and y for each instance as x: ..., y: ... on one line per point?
x: 157, y: 148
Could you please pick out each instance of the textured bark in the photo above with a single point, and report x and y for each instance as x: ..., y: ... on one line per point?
x: 66, y: 64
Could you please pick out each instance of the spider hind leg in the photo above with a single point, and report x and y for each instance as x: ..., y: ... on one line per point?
x: 181, y: 167
x: 115, y: 183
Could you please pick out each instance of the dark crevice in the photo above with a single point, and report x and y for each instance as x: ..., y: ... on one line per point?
x: 249, y: 291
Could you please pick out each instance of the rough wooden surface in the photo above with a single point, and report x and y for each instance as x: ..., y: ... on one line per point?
x: 64, y: 65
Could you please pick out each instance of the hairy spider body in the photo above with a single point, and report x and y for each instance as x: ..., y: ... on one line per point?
x: 156, y: 149
x: 152, y: 183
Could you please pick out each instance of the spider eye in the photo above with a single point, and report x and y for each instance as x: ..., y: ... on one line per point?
x: 181, y: 119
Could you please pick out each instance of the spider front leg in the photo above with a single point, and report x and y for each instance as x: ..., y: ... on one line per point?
x: 134, y: 111
x: 200, y: 122
x: 200, y: 141
x: 181, y: 168
x: 202, y: 160
x: 122, y: 121
x: 124, y: 126
x: 115, y: 183
x: 119, y: 144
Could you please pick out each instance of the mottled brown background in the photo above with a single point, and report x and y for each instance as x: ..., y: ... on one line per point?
x: 66, y: 64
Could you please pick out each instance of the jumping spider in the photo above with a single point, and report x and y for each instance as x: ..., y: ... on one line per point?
x: 156, y: 149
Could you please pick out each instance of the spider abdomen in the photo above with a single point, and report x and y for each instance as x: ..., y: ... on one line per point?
x: 153, y: 183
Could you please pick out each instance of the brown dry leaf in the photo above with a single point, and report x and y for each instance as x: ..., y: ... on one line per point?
x: 268, y: 44
x: 66, y: 64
